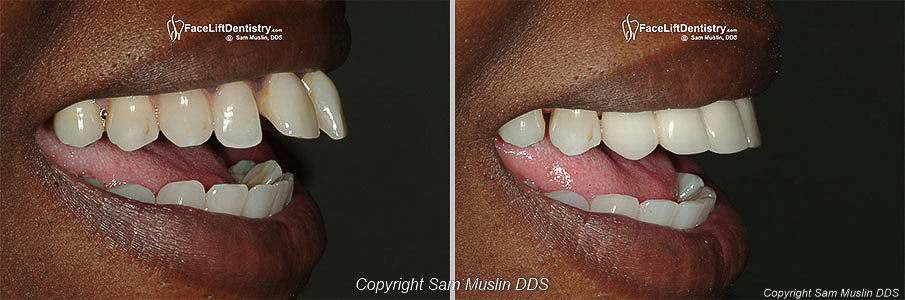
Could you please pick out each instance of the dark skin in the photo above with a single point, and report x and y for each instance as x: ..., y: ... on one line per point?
x: 513, y: 57
x: 62, y: 239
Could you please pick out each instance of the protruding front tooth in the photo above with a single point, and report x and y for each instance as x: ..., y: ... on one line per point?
x: 185, y: 117
x: 260, y: 198
x: 524, y: 130
x: 189, y: 193
x: 284, y: 101
x: 660, y: 212
x: 241, y: 168
x: 616, y: 204
x: 283, y: 193
x: 131, y: 122
x: 574, y: 131
x: 632, y: 135
x: 688, y: 214
x: 746, y: 111
x: 708, y: 196
x: 263, y: 173
x: 724, y: 127
x: 689, y: 185
x: 227, y: 198
x: 570, y: 198
x: 326, y: 103
x: 134, y: 192
x: 79, y: 125
x: 682, y: 131
x: 236, y: 121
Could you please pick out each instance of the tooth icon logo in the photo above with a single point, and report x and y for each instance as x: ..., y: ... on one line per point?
x: 627, y: 30
x: 174, y: 30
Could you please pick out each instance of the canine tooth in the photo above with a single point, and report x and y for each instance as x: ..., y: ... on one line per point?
x: 724, y: 127
x: 660, y: 212
x: 574, y: 131
x: 227, y: 198
x: 131, y: 122
x: 689, y: 185
x: 708, y: 196
x: 94, y: 182
x: 290, y: 178
x: 189, y: 193
x: 284, y: 101
x: 79, y: 125
x: 688, y: 214
x: 263, y: 173
x: 260, y: 198
x: 241, y: 168
x: 570, y: 198
x: 326, y: 103
x: 524, y: 130
x: 134, y: 192
x: 632, y: 135
x: 746, y: 111
x: 616, y: 204
x: 185, y: 117
x: 236, y: 121
x: 283, y: 194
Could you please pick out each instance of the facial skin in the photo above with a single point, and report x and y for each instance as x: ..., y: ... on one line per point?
x: 63, y: 239
x: 513, y: 57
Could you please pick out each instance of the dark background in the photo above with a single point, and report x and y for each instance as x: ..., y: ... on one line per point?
x: 384, y: 189
x: 822, y: 198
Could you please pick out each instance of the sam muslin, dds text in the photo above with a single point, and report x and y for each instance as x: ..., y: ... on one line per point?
x: 469, y: 284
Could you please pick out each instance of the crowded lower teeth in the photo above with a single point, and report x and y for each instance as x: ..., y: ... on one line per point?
x: 262, y: 190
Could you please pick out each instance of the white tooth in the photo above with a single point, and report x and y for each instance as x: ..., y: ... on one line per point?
x: 689, y: 185
x: 283, y: 193
x: 524, y: 130
x: 688, y: 214
x: 284, y: 101
x: 724, y: 127
x: 260, y: 198
x: 131, y: 122
x: 79, y: 124
x: 189, y: 193
x: 263, y: 173
x: 241, y: 168
x: 227, y: 198
x: 236, y: 120
x: 632, y: 135
x: 290, y: 178
x: 746, y: 111
x: 682, y: 131
x: 134, y: 192
x: 326, y: 103
x: 660, y: 212
x: 616, y: 204
x: 94, y: 182
x: 570, y: 198
x: 185, y: 117
x: 574, y: 131
x: 708, y: 196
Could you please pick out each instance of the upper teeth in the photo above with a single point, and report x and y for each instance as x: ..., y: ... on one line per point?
x: 296, y: 107
x: 722, y: 127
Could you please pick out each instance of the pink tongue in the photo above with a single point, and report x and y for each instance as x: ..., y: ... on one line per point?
x: 598, y: 171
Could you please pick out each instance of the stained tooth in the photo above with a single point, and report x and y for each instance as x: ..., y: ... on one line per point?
x: 79, y: 124
x: 185, y: 117
x: 746, y: 111
x: 236, y: 121
x: 94, y: 182
x: 688, y: 214
x: 569, y: 198
x: 660, y: 212
x: 632, y: 135
x: 189, y: 193
x: 326, y: 103
x: 131, y: 122
x: 290, y: 178
x: 682, y: 131
x: 724, y: 127
x: 524, y: 130
x: 616, y: 204
x: 689, y: 185
x: 227, y: 198
x: 260, y: 198
x: 263, y: 173
x: 283, y: 193
x: 134, y: 192
x: 241, y: 168
x: 284, y: 101
x: 574, y: 131
x: 708, y: 196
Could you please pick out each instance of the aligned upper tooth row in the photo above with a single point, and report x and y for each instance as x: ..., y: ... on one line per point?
x: 296, y: 107
x: 723, y: 127
x: 695, y: 202
x: 262, y: 191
